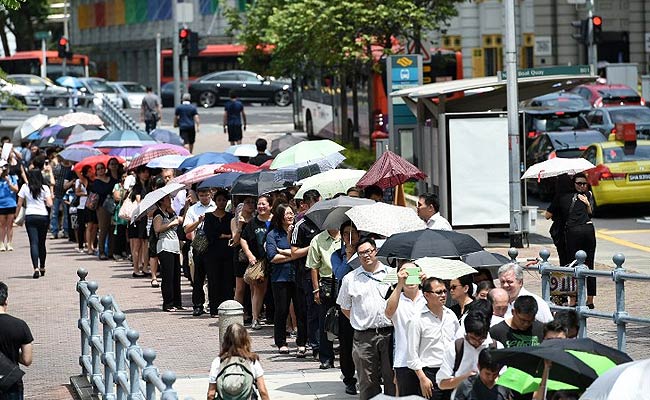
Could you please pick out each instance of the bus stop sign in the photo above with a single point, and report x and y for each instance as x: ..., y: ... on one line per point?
x: 404, y: 71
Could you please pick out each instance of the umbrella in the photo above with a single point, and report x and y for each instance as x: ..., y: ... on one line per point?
x: 94, y: 160
x: 390, y: 170
x: 171, y: 161
x: 486, y: 260
x: 242, y: 150
x: 237, y: 166
x: 266, y: 165
x: 441, y: 268
x: 625, y: 381
x: 91, y: 135
x: 48, y: 131
x: 557, y: 166
x: 124, y: 152
x: 283, y: 142
x: 165, y: 136
x: 145, y: 157
x: 523, y: 383
x: 428, y: 243
x: 256, y: 184
x: 223, y: 180
x: 330, y: 214
x: 180, y: 150
x: 67, y: 131
x: 207, y: 158
x: 126, y: 138
x: 305, y: 153
x: 52, y: 141
x: 79, y: 118
x: 197, y: 174
x: 69, y: 82
x: 385, y: 219
x: 330, y: 182
x: 575, y: 361
x: 32, y: 124
x: 79, y: 152
x: 152, y: 198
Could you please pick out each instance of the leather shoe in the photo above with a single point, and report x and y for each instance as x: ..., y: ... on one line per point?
x: 198, y: 312
x: 326, y: 365
x: 351, y: 389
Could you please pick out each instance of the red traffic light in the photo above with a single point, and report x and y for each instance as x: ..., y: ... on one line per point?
x: 63, y: 41
x: 596, y: 20
x: 183, y: 33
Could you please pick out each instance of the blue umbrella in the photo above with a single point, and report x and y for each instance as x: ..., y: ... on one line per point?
x: 69, y: 82
x: 207, y: 158
x: 125, y: 139
x: 78, y: 152
x: 223, y: 180
x: 165, y: 136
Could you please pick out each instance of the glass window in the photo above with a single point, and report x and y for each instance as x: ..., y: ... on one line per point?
x: 632, y: 114
x: 618, y: 154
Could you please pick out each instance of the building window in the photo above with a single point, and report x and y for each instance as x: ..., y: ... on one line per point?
x: 492, y: 54
x: 452, y: 42
x: 526, y: 53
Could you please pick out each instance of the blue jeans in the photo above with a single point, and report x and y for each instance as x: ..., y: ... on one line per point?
x: 36, y: 226
x: 54, y: 221
x: 16, y: 394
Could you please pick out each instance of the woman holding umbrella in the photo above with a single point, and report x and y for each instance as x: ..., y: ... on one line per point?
x: 102, y: 186
x: 137, y: 230
x: 165, y: 223
x: 83, y: 219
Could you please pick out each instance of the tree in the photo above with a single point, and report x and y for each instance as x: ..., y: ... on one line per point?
x: 22, y: 18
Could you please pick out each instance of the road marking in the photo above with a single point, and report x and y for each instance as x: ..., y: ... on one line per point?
x: 623, y: 231
x: 601, y: 235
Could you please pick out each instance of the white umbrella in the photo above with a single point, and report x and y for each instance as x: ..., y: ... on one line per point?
x: 152, y: 198
x: 330, y: 182
x: 626, y: 381
x: 242, y: 150
x: 385, y: 219
x: 442, y: 268
x: 168, y: 161
x: 76, y: 118
x: 557, y: 166
x: 32, y: 124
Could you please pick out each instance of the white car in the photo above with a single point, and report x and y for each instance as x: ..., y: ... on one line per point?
x: 98, y: 88
x: 22, y: 93
x: 131, y: 93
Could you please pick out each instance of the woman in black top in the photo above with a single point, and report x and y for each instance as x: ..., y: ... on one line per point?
x: 137, y: 230
x: 576, y: 209
x: 103, y: 186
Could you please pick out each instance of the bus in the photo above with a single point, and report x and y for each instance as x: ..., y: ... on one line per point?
x: 215, y: 57
x: 351, y: 108
x: 29, y: 62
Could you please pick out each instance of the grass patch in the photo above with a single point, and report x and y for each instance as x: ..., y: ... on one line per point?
x: 357, y: 158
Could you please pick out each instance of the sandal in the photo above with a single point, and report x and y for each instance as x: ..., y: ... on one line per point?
x: 154, y: 283
x: 284, y: 350
x: 302, y: 352
x: 136, y: 275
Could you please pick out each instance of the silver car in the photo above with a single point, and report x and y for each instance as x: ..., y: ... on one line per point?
x: 95, y: 89
x: 131, y: 93
x: 53, y: 95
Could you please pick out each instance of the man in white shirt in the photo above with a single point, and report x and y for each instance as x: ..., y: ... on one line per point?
x: 193, y: 219
x: 404, y: 305
x: 511, y: 277
x: 428, y: 337
x: 363, y: 300
x: 428, y: 211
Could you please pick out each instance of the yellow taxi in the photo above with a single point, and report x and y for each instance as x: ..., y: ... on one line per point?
x: 622, y: 173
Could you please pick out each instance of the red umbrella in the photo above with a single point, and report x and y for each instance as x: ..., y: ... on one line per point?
x: 238, y: 166
x: 267, y: 164
x: 94, y: 160
x: 198, y: 174
x: 150, y: 155
x: 390, y: 170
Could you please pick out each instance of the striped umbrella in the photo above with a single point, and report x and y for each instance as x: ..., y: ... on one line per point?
x: 147, y: 156
x: 125, y: 138
x: 180, y: 150
x: 390, y: 170
x: 197, y: 174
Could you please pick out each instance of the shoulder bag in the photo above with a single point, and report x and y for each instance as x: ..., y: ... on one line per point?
x: 127, y: 208
x: 200, y: 242
x: 10, y: 373
x: 92, y: 201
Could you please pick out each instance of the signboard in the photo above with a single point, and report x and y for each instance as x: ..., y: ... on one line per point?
x: 549, y: 71
x: 185, y: 12
x: 404, y: 71
x: 42, y: 35
x: 563, y: 284
x: 543, y: 46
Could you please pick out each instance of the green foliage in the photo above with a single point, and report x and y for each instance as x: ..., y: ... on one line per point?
x: 11, y: 4
x: 357, y: 158
x: 8, y: 101
x: 410, y: 188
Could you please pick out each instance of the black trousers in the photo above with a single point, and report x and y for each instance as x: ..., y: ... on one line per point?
x: 583, y: 237
x: 283, y: 294
x: 308, y: 308
x: 117, y: 240
x: 346, y: 334
x: 326, y: 347
x: 221, y: 280
x: 408, y: 383
x: 36, y: 226
x: 170, y: 272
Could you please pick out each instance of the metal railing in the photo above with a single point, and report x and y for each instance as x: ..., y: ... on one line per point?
x: 581, y: 272
x: 116, y: 117
x: 125, y: 365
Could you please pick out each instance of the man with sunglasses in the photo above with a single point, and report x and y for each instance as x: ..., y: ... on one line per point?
x: 428, y: 335
x: 363, y: 300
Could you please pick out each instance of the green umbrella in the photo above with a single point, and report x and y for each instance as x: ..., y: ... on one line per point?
x: 306, y: 153
x: 523, y: 383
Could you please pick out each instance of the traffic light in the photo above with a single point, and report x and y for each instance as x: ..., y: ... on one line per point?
x: 582, y: 36
x: 194, y: 44
x: 62, y: 47
x: 184, y: 39
x: 597, y: 25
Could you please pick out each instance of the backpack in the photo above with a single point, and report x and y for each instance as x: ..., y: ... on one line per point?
x: 235, y: 379
x: 459, y: 344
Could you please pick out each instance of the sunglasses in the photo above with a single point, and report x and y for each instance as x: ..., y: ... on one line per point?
x: 581, y: 183
x: 437, y: 292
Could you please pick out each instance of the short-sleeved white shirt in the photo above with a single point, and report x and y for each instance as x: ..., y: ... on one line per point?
x: 543, y: 315
x: 193, y: 213
x: 34, y: 206
x: 216, y: 363
x: 407, y: 309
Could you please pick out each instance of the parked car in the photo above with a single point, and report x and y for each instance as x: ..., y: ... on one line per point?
x: 569, y: 144
x: 210, y: 89
x: 131, y: 93
x: 605, y: 119
x: 98, y: 88
x: 538, y: 120
x: 559, y: 100
x: 167, y: 93
x: 622, y: 173
x: 52, y: 94
x: 600, y: 95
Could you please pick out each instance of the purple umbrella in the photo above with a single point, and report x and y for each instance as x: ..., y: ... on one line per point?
x: 126, y: 152
x: 182, y: 151
x: 51, y: 131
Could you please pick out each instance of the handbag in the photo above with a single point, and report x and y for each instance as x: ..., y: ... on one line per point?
x: 241, y: 256
x: 109, y: 204
x: 255, y: 272
x: 10, y: 373
x: 327, y: 288
x: 92, y: 201
x: 200, y: 242
x: 20, y: 219
x: 332, y: 323
x: 127, y: 208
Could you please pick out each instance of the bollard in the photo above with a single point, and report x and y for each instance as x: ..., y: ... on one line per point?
x: 621, y: 333
x: 581, y: 300
x: 230, y: 312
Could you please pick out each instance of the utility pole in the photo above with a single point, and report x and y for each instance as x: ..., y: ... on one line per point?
x: 158, y: 63
x: 592, y: 46
x: 516, y: 237
x: 175, y: 55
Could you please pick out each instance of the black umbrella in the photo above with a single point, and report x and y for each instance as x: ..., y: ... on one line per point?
x: 428, y: 243
x: 257, y: 183
x: 575, y: 361
x: 69, y: 130
x: 330, y: 214
x: 486, y: 260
